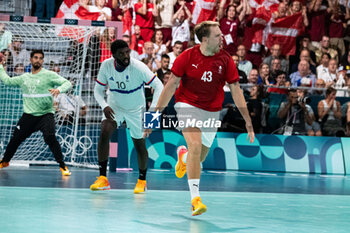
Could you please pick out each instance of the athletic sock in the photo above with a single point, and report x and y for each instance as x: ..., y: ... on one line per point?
x: 62, y: 165
x: 142, y: 174
x: 194, y: 187
x: 103, y: 168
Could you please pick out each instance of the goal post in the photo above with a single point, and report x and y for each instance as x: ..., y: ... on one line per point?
x: 73, y: 49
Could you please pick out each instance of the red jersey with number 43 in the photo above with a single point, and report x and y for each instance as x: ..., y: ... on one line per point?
x: 203, y: 78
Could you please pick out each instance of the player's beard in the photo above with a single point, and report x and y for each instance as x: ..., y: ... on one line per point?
x: 125, y: 62
x: 36, y: 66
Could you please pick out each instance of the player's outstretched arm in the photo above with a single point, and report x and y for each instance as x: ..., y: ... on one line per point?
x: 238, y: 98
x: 158, y: 87
x: 7, y: 80
x: 168, y: 92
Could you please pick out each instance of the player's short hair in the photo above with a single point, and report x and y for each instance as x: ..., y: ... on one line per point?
x: 36, y: 51
x: 118, y: 44
x: 166, y: 56
x: 203, y: 29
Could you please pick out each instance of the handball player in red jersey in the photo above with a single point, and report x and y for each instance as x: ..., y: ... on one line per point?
x: 198, y: 77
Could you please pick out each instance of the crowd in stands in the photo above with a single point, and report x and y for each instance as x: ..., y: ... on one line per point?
x: 316, y: 66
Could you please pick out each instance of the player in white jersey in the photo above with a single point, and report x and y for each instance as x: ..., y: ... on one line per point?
x: 125, y: 78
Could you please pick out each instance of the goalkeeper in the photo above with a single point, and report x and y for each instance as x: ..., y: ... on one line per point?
x: 38, y: 87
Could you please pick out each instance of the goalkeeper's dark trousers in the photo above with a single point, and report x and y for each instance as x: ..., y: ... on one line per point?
x: 29, y: 124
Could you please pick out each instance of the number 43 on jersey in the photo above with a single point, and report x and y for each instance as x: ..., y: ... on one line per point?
x: 207, y: 76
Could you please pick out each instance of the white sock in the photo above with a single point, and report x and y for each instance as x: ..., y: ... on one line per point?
x: 184, y: 158
x: 194, y: 187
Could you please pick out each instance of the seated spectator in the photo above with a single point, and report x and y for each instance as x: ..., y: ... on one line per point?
x: 294, y: 115
x: 241, y: 74
x: 303, y: 42
x: 275, y: 66
x: 303, y: 72
x: 133, y: 53
x: 19, y: 54
x: 8, y: 66
x: 304, y: 55
x: 177, y: 50
x: 253, y: 76
x: 5, y: 37
x: 146, y: 14
x: 329, y: 113
x: 148, y: 62
x: 19, y: 69
x: 166, y: 77
x: 181, y: 25
x: 264, y: 75
x: 159, y: 47
x: 54, y: 67
x: 325, y: 49
x: 244, y: 65
x: 279, y: 81
x: 320, y: 83
x: 164, y: 66
x: 106, y: 40
x: 66, y: 106
x: 313, y: 129
x: 229, y: 26
x: 166, y: 13
x: 276, y: 53
x: 332, y: 77
x: 323, y: 67
x: 255, y: 106
x: 150, y: 53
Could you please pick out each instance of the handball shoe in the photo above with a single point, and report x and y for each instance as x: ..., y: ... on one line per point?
x: 141, y: 186
x: 65, y: 171
x: 198, y: 207
x: 100, y: 184
x: 4, y: 164
x: 180, y: 167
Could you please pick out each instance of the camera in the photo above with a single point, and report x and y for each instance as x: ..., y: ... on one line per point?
x: 305, y: 100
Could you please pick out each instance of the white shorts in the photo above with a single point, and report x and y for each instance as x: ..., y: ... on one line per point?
x: 133, y: 121
x: 185, y: 111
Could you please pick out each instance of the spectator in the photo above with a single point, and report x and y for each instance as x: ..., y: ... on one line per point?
x: 281, y: 10
x: 5, y: 37
x: 318, y: 21
x: 123, y: 13
x: 47, y: 6
x: 106, y: 40
x: 149, y: 63
x: 325, y: 49
x: 345, y: 61
x: 294, y: 115
x: 323, y: 67
x: 275, y: 66
x: 8, y: 66
x: 181, y: 25
x: 105, y: 12
x: 336, y: 29
x: 166, y: 77
x: 244, y: 65
x: 177, y: 50
x: 332, y: 77
x: 303, y: 72
x: 253, y: 76
x: 159, y: 47
x: 295, y: 8
x: 242, y: 75
x: 19, y: 69
x: 19, y: 54
x: 320, y: 83
x: 313, y: 129
x: 146, y: 12
x: 164, y: 66
x: 255, y: 107
x: 149, y: 52
x: 303, y: 42
x: 54, y: 67
x: 137, y: 42
x: 264, y: 75
x: 304, y: 55
x: 133, y: 53
x: 280, y: 78
x: 276, y: 53
x: 229, y: 26
x: 329, y: 113
x: 166, y: 13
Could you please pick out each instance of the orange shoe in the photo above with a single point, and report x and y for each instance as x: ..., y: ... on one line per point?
x: 180, y: 167
x: 4, y: 164
x: 100, y: 184
x: 141, y: 186
x: 197, y: 207
x: 65, y: 171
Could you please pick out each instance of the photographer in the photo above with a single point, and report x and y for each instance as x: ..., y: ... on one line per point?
x: 294, y: 115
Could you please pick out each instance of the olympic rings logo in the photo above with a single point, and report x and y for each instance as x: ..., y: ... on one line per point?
x: 84, y: 143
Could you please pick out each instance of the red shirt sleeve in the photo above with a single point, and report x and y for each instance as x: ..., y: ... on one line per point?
x: 137, y: 6
x: 231, y: 75
x: 180, y: 63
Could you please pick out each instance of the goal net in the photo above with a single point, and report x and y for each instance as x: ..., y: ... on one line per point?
x: 75, y: 52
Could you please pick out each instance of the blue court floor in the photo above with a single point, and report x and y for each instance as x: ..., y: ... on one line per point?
x: 39, y: 199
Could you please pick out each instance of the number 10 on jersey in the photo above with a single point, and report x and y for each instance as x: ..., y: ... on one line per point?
x: 207, y: 76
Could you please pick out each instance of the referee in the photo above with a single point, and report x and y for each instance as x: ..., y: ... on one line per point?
x: 38, y: 87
